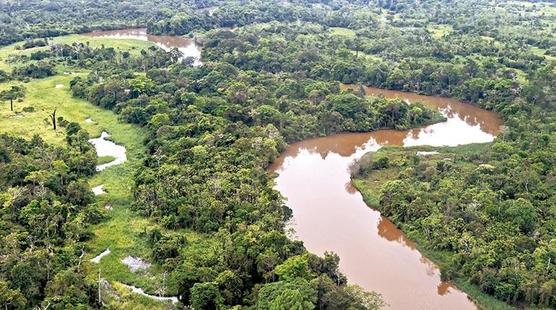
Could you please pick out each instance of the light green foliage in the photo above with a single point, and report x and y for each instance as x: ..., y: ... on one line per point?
x: 294, y: 267
x: 295, y: 294
x: 342, y: 32
x: 439, y: 31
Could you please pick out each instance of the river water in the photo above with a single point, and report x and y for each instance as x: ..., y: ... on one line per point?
x: 188, y: 47
x: 329, y: 214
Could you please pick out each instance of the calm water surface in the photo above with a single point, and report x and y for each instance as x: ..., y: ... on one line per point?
x: 108, y: 148
x: 187, y: 46
x: 330, y: 215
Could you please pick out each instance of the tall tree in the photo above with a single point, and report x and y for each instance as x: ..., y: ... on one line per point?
x: 14, y: 93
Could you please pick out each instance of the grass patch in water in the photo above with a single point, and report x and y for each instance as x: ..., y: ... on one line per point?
x: 105, y: 159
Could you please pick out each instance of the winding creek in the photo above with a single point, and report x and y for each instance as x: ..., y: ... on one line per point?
x: 329, y: 214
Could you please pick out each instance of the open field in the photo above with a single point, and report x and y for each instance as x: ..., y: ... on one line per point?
x: 342, y: 32
x: 438, y: 31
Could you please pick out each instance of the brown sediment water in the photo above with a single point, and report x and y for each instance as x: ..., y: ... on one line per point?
x: 330, y: 215
x: 187, y: 46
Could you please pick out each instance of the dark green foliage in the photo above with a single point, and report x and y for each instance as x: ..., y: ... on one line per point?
x: 34, y: 43
x: 4, y: 76
x: 206, y: 296
x: 43, y: 197
x: 30, y: 19
x: 34, y: 70
x: 11, y: 94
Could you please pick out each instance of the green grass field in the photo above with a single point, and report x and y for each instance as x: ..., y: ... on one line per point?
x: 121, y: 231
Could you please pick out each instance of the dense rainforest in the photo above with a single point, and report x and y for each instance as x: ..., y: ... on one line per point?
x: 271, y: 75
x: 212, y: 132
x: 47, y: 208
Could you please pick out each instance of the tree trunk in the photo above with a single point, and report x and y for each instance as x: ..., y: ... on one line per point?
x: 53, y: 117
x: 11, y: 104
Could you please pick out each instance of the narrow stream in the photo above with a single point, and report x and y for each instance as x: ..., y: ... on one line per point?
x: 329, y: 214
x: 140, y: 291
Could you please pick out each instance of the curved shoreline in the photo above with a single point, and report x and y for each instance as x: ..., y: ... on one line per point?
x: 313, y: 176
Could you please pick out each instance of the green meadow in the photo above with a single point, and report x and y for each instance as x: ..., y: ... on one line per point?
x: 342, y: 32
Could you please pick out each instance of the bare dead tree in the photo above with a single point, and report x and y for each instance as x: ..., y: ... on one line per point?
x: 80, y: 259
x: 53, y: 118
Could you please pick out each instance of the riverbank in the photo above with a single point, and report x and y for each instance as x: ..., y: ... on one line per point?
x: 374, y: 170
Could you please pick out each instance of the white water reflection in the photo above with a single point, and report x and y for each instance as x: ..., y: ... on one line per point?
x: 98, y: 190
x: 97, y: 259
x: 108, y: 148
x: 137, y: 290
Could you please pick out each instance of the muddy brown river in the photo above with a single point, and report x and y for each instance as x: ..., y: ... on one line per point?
x: 330, y: 215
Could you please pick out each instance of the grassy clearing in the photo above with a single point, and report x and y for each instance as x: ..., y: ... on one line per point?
x: 129, y: 300
x: 370, y: 184
x: 44, y: 97
x: 132, y: 45
x: 541, y: 52
x: 438, y: 31
x: 122, y: 44
x: 369, y: 57
x: 342, y: 32
x: 105, y: 159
